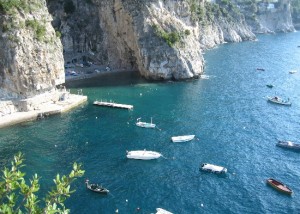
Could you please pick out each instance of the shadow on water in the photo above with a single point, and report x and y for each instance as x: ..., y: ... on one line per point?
x: 123, y: 78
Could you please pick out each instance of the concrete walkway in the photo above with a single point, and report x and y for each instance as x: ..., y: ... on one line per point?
x: 46, y: 109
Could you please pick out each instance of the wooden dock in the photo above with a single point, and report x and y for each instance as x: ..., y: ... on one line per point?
x: 114, y: 105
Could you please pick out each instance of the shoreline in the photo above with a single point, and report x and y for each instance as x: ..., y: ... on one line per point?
x: 47, y: 109
x: 56, y: 107
x: 84, y: 75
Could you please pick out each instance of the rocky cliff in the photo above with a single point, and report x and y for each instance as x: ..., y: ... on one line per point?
x: 31, y: 59
x: 162, y: 39
x: 268, y: 17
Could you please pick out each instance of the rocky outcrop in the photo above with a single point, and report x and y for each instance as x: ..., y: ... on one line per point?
x: 272, y: 17
x: 221, y: 30
x: 31, y: 60
x: 275, y: 22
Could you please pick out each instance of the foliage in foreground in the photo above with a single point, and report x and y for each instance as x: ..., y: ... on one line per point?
x: 18, y: 197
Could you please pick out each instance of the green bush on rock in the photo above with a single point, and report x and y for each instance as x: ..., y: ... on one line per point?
x: 171, y: 38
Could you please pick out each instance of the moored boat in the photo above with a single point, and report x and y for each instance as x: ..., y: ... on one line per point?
x: 279, y: 186
x: 184, y: 138
x: 95, y: 187
x: 143, y: 155
x: 279, y: 101
x: 213, y: 168
x: 145, y: 124
x: 162, y: 211
x: 288, y: 145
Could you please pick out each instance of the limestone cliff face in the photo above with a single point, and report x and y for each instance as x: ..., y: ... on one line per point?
x: 264, y: 17
x: 275, y: 22
x: 123, y: 37
x: 136, y: 35
x: 162, y: 39
x: 222, y: 30
x: 31, y: 60
x: 133, y: 40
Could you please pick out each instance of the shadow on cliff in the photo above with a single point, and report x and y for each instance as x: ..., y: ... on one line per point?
x: 122, y: 78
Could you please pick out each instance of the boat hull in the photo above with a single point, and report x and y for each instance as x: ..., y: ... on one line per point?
x: 288, y: 145
x: 145, y: 125
x: 213, y: 168
x: 279, y: 101
x: 162, y: 211
x: 185, y: 138
x: 279, y: 186
x: 143, y: 155
x: 96, y: 188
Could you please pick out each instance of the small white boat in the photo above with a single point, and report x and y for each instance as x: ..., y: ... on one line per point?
x: 145, y: 124
x: 143, y: 155
x: 292, y: 71
x: 162, y: 211
x: 213, y: 168
x: 279, y: 101
x: 184, y: 138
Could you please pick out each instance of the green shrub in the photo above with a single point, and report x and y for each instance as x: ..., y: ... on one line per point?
x: 6, y: 6
x: 171, y: 38
x: 40, y: 32
x: 58, y: 34
x: 39, y: 29
x: 20, y: 196
x: 187, y: 32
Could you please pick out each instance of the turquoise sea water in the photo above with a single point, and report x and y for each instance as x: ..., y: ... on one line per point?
x: 236, y: 127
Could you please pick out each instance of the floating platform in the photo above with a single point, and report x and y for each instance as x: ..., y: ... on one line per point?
x: 114, y: 105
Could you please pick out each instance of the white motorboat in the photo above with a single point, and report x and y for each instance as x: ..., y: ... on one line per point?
x: 145, y: 124
x: 213, y: 168
x: 162, y: 211
x: 184, y: 138
x: 279, y: 101
x: 292, y: 71
x: 143, y: 155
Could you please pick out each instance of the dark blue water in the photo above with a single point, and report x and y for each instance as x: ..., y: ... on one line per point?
x: 236, y: 126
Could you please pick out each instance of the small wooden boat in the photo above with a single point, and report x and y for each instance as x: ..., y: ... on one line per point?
x: 260, y: 69
x: 213, y: 168
x: 145, y: 124
x: 270, y: 85
x: 143, y: 155
x: 288, y: 145
x: 95, y: 187
x: 184, y: 138
x: 280, y: 101
x: 279, y: 186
